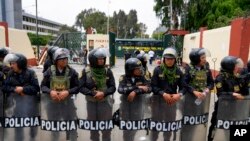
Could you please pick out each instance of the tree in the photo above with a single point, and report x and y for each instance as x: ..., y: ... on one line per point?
x: 162, y: 10
x: 209, y: 13
x: 124, y: 25
x: 158, y: 35
x: 65, y: 29
x: 131, y: 24
x: 215, y: 13
x: 92, y: 18
x: 143, y: 29
x: 40, y: 40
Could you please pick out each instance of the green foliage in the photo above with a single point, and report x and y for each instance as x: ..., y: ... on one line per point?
x: 124, y: 25
x: 40, y: 40
x: 66, y: 29
x: 157, y: 36
x: 92, y: 18
x: 210, y: 13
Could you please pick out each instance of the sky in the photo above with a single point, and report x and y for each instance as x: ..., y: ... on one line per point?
x: 65, y: 11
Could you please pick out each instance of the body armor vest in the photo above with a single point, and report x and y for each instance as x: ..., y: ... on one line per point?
x: 59, y: 83
x: 90, y: 76
x: 199, y: 78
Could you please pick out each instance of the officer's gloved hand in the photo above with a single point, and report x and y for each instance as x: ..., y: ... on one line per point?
x: 238, y: 96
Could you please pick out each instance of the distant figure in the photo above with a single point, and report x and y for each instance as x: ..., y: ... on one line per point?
x: 127, y: 55
x: 151, y: 54
x: 142, y: 51
x: 136, y: 52
x: 85, y: 54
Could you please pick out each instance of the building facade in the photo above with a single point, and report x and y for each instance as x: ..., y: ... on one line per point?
x: 45, y: 26
x: 11, y: 12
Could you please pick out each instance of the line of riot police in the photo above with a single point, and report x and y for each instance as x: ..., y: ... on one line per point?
x: 178, y: 106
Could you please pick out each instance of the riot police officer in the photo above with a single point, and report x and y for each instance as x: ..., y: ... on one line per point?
x: 22, y: 88
x: 133, y: 86
x: 143, y: 58
x: 168, y: 86
x: 199, y: 79
x: 97, y: 83
x: 59, y: 84
x: 4, y: 69
x: 49, y: 60
x: 229, y: 84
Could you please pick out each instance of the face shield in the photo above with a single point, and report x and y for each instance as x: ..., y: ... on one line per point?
x: 61, y: 53
x: 204, y: 51
x: 10, y: 58
x: 169, y: 53
x: 102, y: 52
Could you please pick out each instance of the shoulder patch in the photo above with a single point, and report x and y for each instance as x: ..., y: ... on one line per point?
x: 218, y: 85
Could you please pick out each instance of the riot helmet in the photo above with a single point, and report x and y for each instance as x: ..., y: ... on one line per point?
x: 20, y: 59
x: 131, y: 64
x: 196, y: 53
x: 3, y: 52
x: 96, y: 54
x: 51, y: 50
x: 169, y: 53
x: 60, y: 53
x: 143, y: 58
x: 228, y: 63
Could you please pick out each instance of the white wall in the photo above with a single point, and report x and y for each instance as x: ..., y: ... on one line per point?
x: 217, y: 41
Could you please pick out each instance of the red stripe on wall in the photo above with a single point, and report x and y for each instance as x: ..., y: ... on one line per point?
x: 5, y: 25
x: 240, y: 38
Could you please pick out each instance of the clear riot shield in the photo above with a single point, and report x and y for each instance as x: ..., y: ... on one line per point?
x: 134, y: 118
x: 230, y: 112
x: 166, y: 120
x: 195, y: 118
x: 1, y: 114
x: 22, y: 118
x: 94, y: 118
x: 58, y: 119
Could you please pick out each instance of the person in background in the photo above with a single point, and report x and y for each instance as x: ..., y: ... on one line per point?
x: 49, y: 60
x: 127, y: 55
x: 136, y: 52
x: 151, y: 55
x: 144, y: 60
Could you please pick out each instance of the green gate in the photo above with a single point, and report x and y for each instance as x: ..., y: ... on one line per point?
x: 75, y: 42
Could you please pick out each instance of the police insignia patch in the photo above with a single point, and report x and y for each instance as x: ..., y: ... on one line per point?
x: 236, y: 88
x: 219, y: 85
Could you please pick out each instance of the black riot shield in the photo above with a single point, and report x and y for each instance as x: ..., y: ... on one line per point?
x: 166, y: 119
x: 94, y: 118
x: 1, y: 114
x: 230, y: 112
x: 195, y: 118
x: 58, y: 119
x: 134, y: 118
x: 22, y: 118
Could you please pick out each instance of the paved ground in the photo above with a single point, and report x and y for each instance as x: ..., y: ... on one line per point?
x: 81, y: 106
